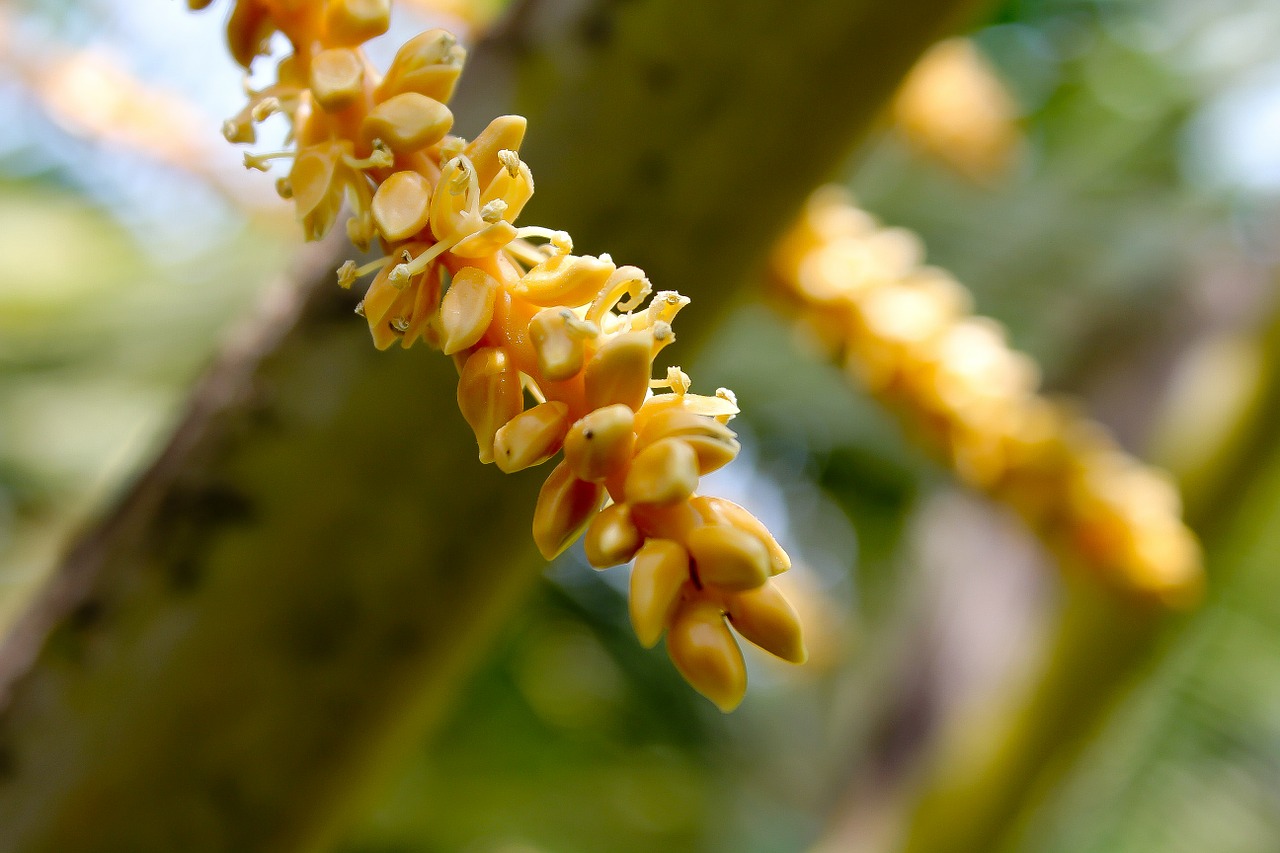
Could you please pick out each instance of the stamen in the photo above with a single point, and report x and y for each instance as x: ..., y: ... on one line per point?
x: 560, y: 241
x: 627, y: 281
x: 403, y: 272
x: 510, y: 160
x: 265, y: 108
x: 400, y: 324
x: 578, y: 327
x: 493, y: 211
x: 262, y: 162
x: 380, y: 158
x: 347, y: 274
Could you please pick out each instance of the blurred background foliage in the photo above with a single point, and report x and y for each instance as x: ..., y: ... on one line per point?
x: 1130, y: 245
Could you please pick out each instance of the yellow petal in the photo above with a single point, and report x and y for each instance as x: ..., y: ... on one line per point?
x: 765, y: 617
x: 715, y: 444
x: 600, y: 443
x: 568, y: 280
x: 504, y: 133
x: 728, y: 558
x: 337, y: 78
x: 660, y: 572
x: 489, y: 395
x: 619, y: 372
x: 565, y: 505
x: 665, y: 473
x: 401, y: 205
x: 728, y: 512
x: 353, y: 22
x: 467, y: 308
x: 407, y: 122
x: 429, y: 64
x: 612, y: 537
x: 532, y: 437
x: 703, y: 649
x: 560, y: 352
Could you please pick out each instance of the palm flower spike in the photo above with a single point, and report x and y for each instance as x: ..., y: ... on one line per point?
x: 907, y: 334
x: 521, y: 315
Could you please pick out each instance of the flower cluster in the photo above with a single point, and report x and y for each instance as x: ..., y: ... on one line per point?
x: 908, y: 334
x: 527, y: 321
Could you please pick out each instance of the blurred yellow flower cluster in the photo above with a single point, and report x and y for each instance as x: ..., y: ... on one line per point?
x: 526, y: 321
x: 953, y: 107
x: 907, y: 332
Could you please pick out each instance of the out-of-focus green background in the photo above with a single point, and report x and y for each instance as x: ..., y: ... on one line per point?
x: 1131, y: 248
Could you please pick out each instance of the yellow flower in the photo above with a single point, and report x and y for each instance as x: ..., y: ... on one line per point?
x: 522, y: 316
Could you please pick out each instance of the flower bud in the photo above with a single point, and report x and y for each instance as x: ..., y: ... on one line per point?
x: 429, y: 64
x: 728, y: 558
x: 565, y: 505
x: 353, y: 22
x: 600, y: 443
x: 569, y: 280
x: 612, y: 537
x: 504, y: 133
x: 727, y: 512
x: 703, y: 648
x: 531, y: 437
x: 558, y: 345
x: 467, y: 308
x: 401, y: 205
x: 620, y: 371
x: 660, y: 572
x: 715, y: 444
x: 489, y: 395
x: 337, y: 78
x: 764, y: 617
x: 665, y: 473
x: 407, y: 122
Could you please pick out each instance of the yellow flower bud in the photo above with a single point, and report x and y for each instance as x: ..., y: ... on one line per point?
x: 467, y: 308
x: 620, y: 370
x: 727, y: 512
x: 489, y: 395
x: 565, y: 505
x: 401, y: 205
x: 727, y: 557
x: 665, y: 473
x: 531, y: 437
x: 715, y: 444
x: 558, y: 341
x: 764, y: 617
x: 504, y: 133
x: 600, y: 443
x: 570, y: 280
x: 337, y: 78
x: 703, y: 649
x: 612, y: 537
x: 429, y: 64
x: 352, y: 22
x: 408, y: 122
x: 660, y: 573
